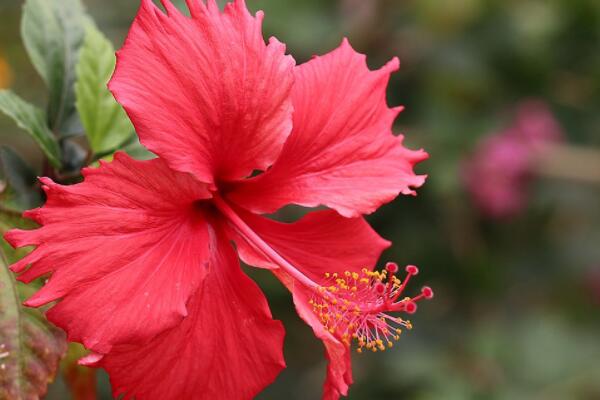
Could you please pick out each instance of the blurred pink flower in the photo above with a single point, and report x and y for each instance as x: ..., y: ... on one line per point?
x: 498, y: 174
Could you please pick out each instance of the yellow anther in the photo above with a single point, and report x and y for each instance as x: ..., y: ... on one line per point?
x: 327, y: 274
x: 359, y: 350
x: 354, y: 276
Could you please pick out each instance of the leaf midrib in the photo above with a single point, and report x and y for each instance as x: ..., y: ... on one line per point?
x: 67, y: 67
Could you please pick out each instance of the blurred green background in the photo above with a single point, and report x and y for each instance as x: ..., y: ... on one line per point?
x: 516, y: 312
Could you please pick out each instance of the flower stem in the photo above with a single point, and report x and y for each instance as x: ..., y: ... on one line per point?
x: 575, y: 163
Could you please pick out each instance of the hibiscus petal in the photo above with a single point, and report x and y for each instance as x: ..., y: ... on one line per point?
x: 205, y: 92
x: 126, y: 250
x: 341, y: 152
x: 229, y: 347
x: 320, y: 242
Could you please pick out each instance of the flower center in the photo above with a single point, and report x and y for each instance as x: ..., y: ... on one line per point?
x: 357, y: 305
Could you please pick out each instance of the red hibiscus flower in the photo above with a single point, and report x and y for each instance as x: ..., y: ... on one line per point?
x: 140, y: 254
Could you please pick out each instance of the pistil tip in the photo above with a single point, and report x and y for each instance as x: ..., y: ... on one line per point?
x: 411, y: 307
x: 391, y: 267
x: 427, y: 292
x: 412, y: 269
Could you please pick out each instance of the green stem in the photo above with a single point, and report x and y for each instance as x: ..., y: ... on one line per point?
x: 10, y: 211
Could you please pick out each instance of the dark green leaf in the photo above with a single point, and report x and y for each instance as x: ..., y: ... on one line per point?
x: 104, y: 120
x: 53, y: 32
x: 30, y: 348
x: 74, y: 156
x: 20, y: 179
x: 33, y: 120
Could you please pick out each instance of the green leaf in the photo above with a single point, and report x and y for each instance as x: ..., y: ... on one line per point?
x: 104, y: 120
x: 33, y: 120
x: 30, y: 348
x: 136, y: 150
x: 53, y: 32
x: 22, y: 181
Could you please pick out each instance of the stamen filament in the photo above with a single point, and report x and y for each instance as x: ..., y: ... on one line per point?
x: 256, y: 241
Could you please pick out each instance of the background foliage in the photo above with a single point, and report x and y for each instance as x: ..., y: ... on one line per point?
x: 516, y: 308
